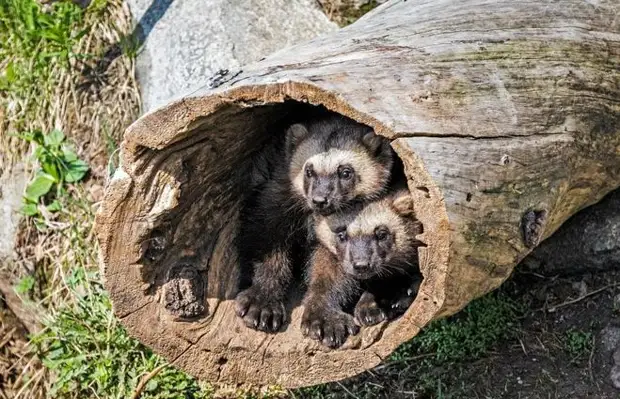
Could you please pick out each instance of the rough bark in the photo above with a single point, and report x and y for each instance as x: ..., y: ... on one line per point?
x: 506, y: 115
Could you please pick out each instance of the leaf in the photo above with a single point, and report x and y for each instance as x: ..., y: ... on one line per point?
x: 40, y: 186
x: 30, y: 209
x: 54, y: 206
x: 68, y: 153
x: 76, y: 171
x: 51, y: 169
x: 55, y: 138
x: 151, y: 385
x: 24, y: 285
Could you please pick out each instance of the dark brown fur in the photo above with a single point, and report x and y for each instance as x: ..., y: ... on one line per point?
x: 369, y: 251
x: 274, y: 233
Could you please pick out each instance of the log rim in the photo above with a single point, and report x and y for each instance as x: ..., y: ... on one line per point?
x: 175, y: 119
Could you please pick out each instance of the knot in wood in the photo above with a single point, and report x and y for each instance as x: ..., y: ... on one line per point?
x: 184, y: 291
x: 155, y: 246
x: 532, y: 224
x: 505, y: 159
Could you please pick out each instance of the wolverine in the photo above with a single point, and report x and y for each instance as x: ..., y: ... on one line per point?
x: 327, y: 165
x: 367, y: 255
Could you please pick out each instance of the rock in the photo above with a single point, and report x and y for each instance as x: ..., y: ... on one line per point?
x: 12, y: 185
x: 187, y: 42
x: 610, y: 338
x: 589, y: 241
x: 614, y: 375
x: 617, y: 356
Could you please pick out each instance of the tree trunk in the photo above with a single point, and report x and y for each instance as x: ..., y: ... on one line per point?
x: 506, y: 115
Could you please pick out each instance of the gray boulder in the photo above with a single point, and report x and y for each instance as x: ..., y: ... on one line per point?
x: 189, y: 41
x: 12, y: 186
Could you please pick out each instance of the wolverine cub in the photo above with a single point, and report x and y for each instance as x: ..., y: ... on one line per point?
x: 327, y: 165
x: 370, y: 250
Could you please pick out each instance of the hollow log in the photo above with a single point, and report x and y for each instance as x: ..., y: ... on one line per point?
x: 506, y: 115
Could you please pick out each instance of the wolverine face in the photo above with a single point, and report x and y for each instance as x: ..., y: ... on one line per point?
x: 333, y: 165
x: 365, y: 255
x: 335, y: 178
x: 374, y: 239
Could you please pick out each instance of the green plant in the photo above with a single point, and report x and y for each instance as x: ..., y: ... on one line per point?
x: 58, y: 165
x: 25, y: 285
x: 578, y: 344
x: 467, y: 335
x: 35, y: 44
x: 91, y: 355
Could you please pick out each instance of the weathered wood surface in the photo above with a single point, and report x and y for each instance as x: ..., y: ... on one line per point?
x: 505, y: 113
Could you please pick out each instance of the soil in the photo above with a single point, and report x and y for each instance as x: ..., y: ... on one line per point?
x: 536, y: 365
x: 539, y: 365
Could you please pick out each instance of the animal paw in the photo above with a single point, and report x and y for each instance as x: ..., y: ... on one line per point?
x: 368, y: 312
x: 260, y: 311
x: 399, y: 305
x: 329, y: 326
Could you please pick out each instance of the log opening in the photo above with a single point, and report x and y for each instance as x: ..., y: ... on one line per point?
x: 178, y: 215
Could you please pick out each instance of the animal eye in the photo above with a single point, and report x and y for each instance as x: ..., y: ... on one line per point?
x: 345, y: 173
x: 309, y: 172
x: 381, y: 234
x: 342, y: 236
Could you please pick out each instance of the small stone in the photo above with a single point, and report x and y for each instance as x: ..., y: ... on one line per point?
x: 617, y: 356
x: 614, y: 375
x: 581, y: 287
x: 610, y: 338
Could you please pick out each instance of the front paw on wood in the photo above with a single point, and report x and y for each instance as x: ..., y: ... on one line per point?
x: 328, y: 326
x: 260, y: 312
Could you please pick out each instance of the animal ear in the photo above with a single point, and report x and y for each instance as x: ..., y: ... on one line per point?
x: 372, y: 141
x: 403, y: 204
x: 294, y: 135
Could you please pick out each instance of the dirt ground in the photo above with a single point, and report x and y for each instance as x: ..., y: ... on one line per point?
x: 556, y: 354
x: 543, y: 364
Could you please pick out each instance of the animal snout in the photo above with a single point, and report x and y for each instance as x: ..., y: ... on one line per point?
x: 361, y: 267
x: 319, y: 202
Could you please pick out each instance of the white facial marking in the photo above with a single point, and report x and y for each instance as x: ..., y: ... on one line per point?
x: 328, y: 162
x: 379, y: 213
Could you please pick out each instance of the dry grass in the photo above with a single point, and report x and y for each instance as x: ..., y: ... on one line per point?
x: 85, y: 101
x: 344, y: 12
x: 15, y: 363
x: 92, y: 99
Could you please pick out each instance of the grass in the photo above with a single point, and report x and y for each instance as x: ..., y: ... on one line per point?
x: 57, y: 109
x: 90, y: 354
x: 424, y: 364
x: 343, y: 12
x: 49, y: 75
x: 578, y: 344
x: 468, y: 335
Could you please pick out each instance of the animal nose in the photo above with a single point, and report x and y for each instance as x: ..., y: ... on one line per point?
x: 361, y: 267
x: 319, y: 202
